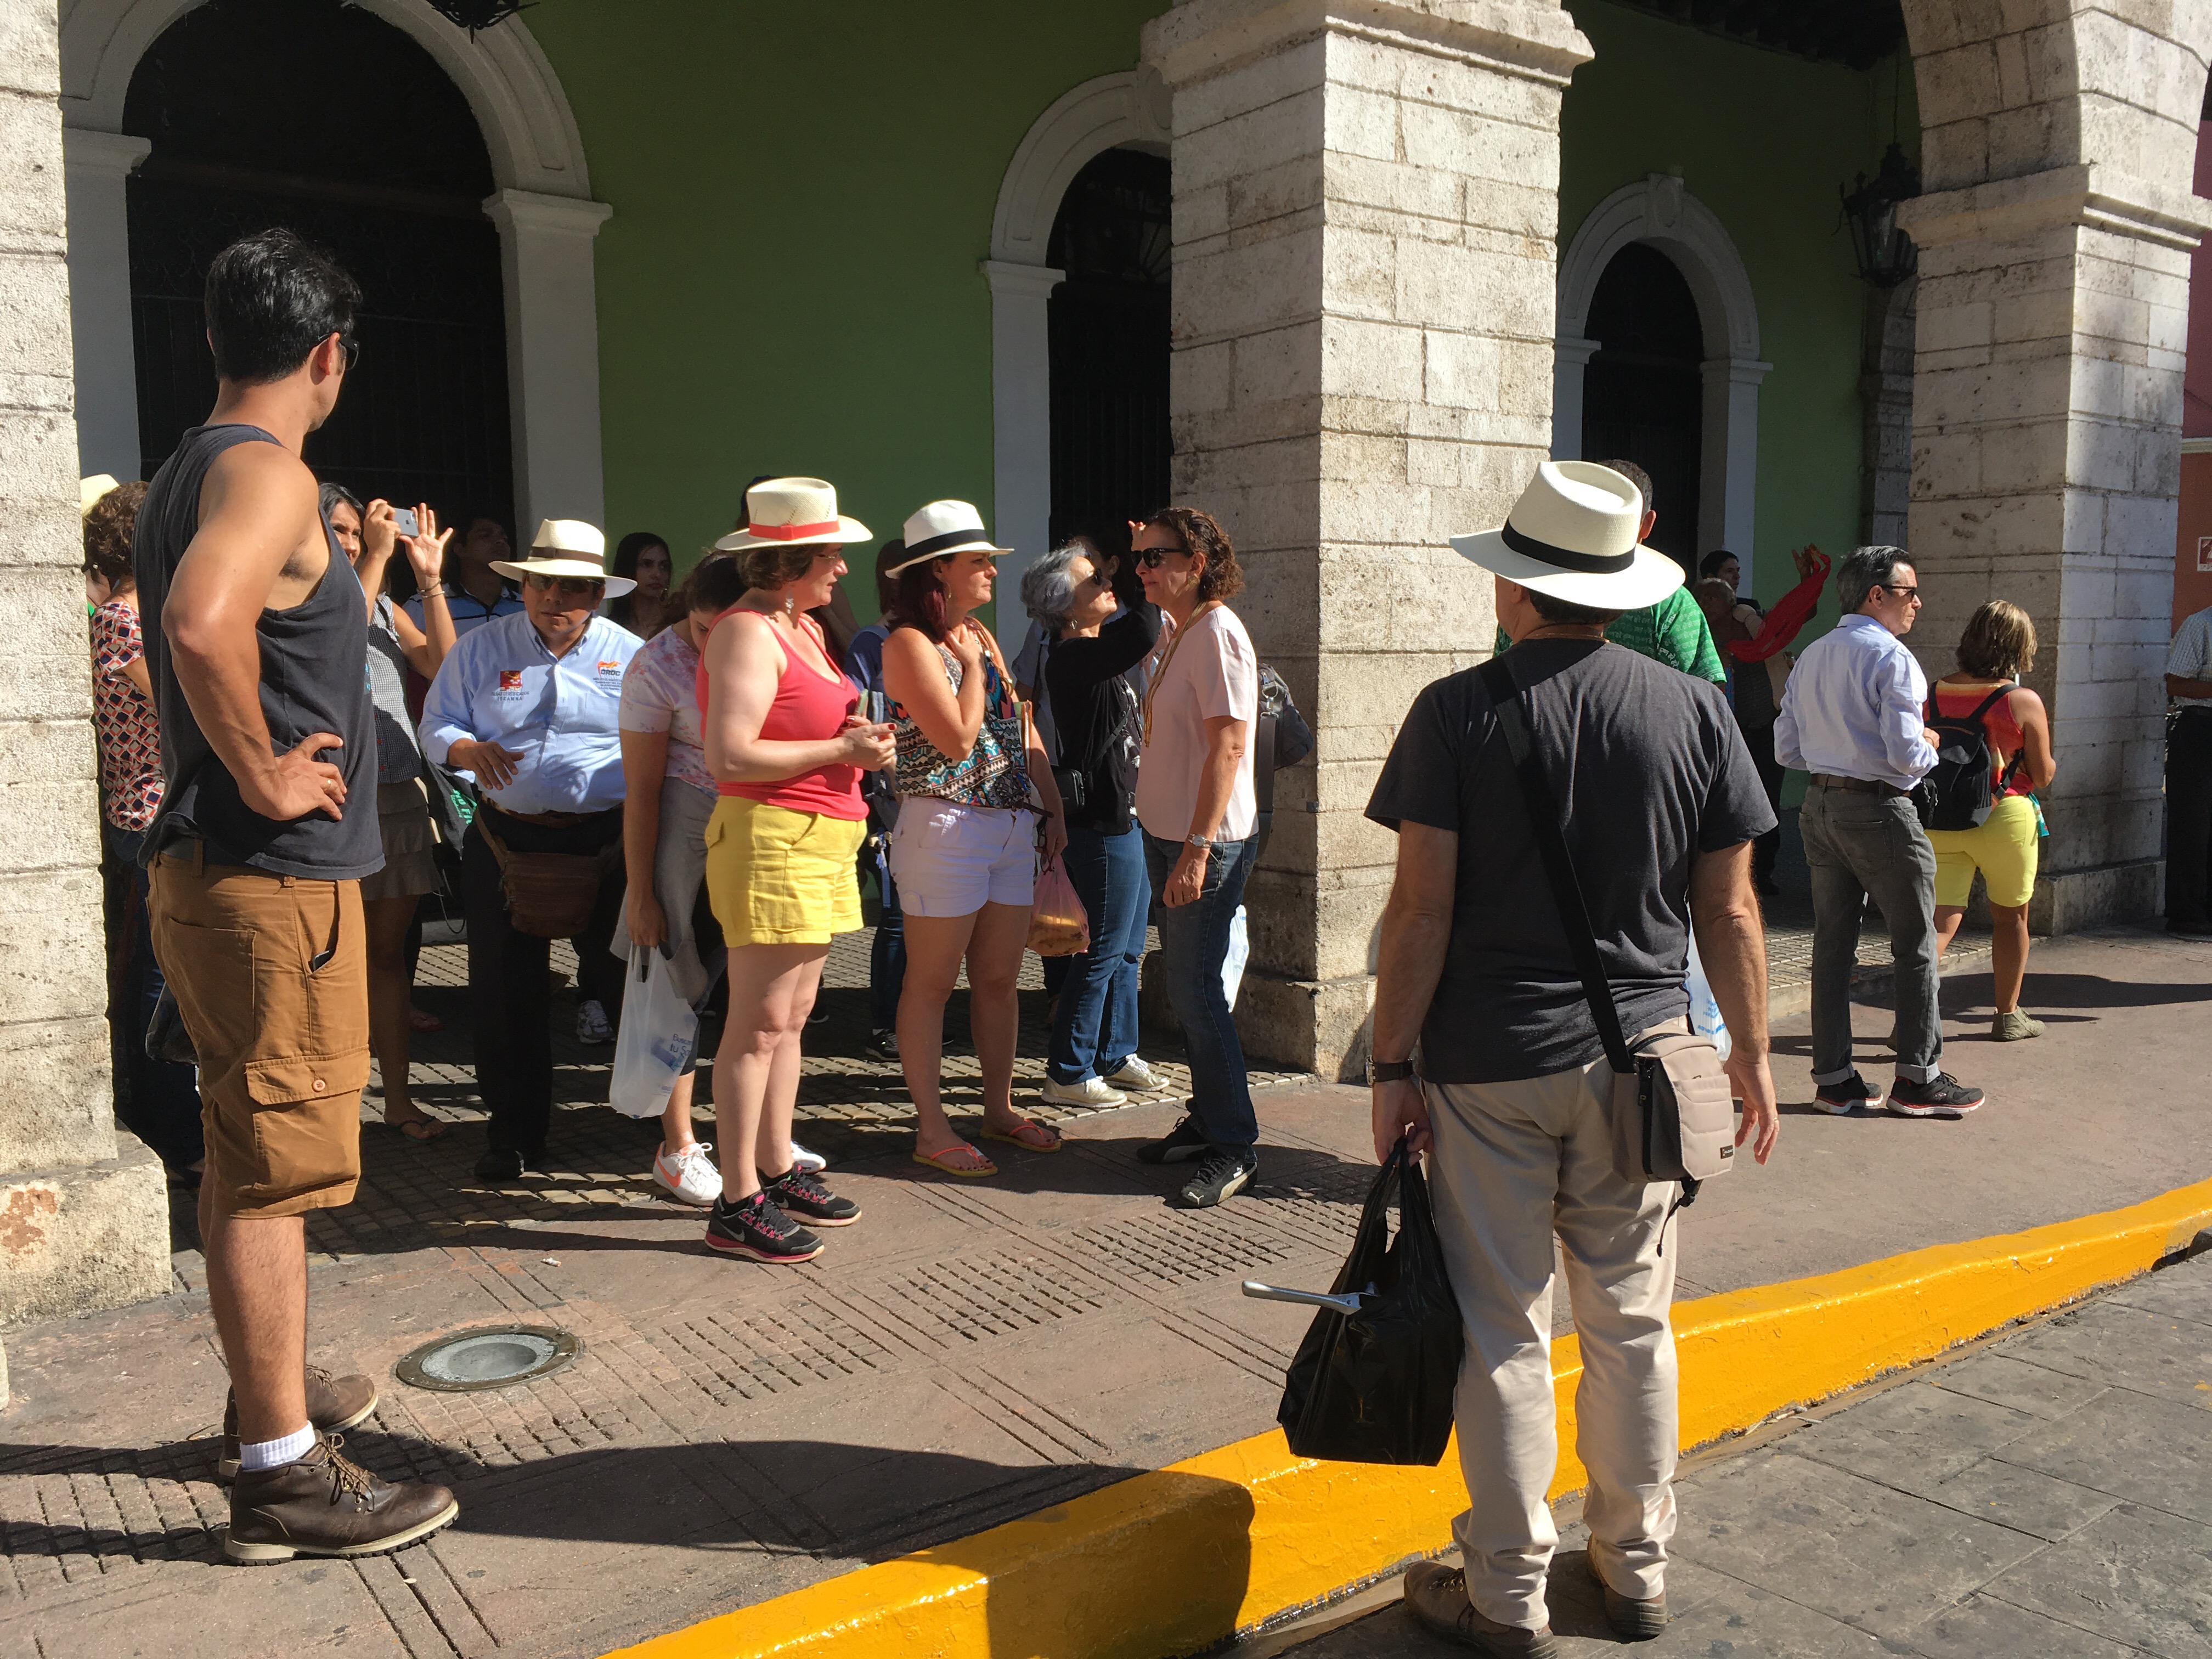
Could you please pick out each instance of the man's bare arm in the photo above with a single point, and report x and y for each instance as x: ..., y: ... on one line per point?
x: 254, y: 510
x: 2180, y: 685
x: 1416, y: 928
x: 1732, y: 944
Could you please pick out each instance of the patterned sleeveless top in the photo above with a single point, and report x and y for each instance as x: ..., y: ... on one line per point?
x: 996, y: 771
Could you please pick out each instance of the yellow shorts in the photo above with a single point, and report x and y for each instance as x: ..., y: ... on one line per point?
x: 2002, y: 847
x: 777, y: 877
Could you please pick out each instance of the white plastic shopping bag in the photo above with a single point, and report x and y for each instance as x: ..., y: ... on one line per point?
x: 1704, y: 1008
x: 1233, y: 959
x: 658, y: 1037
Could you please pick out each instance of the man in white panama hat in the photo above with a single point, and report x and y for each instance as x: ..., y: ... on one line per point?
x: 1511, y: 1096
x: 526, y: 706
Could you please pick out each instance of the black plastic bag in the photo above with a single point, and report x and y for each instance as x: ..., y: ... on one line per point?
x: 1376, y: 1387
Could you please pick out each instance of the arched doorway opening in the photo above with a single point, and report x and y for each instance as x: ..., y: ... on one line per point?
x: 1643, y: 390
x: 1108, y: 347
x: 321, y: 116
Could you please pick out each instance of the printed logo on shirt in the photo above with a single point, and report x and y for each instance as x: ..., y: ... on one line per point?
x: 510, y: 680
x: 610, y: 672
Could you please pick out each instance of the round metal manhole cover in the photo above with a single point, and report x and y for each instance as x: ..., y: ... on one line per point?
x: 492, y: 1357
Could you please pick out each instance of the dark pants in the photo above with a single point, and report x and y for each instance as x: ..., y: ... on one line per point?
x: 1857, y: 845
x: 1759, y: 739
x: 157, y: 1100
x: 1194, y: 943
x: 1095, y: 1028
x: 2189, y: 823
x: 510, y: 986
x: 887, y: 956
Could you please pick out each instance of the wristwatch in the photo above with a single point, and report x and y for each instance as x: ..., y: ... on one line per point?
x: 1200, y: 842
x: 1388, y: 1070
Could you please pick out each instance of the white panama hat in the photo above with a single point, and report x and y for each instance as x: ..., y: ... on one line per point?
x: 1572, y: 536
x: 91, y: 492
x: 792, y: 513
x: 942, y: 529
x: 567, y: 547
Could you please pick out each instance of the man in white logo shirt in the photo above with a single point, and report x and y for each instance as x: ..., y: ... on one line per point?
x: 2189, y: 780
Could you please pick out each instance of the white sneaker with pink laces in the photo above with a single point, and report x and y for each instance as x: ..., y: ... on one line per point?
x: 689, y: 1176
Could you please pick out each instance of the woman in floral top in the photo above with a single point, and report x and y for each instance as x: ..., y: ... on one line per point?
x: 156, y: 1100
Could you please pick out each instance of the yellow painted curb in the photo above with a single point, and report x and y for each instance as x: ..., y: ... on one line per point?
x: 1173, y: 1561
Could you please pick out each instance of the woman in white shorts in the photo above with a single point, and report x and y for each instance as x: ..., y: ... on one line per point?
x: 964, y: 854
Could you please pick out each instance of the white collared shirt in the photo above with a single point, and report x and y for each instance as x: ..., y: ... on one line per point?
x: 1855, y: 707
x: 499, y: 684
x: 2191, y: 656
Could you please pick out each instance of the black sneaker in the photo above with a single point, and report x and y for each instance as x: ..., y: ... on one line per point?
x: 1841, y: 1099
x: 1942, y: 1096
x: 756, y: 1227
x: 801, y: 1193
x: 884, y: 1044
x: 1185, y: 1141
x: 1222, y: 1173
x: 500, y: 1164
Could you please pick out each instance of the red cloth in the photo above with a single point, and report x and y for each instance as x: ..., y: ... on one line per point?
x: 809, y: 707
x: 1790, y: 614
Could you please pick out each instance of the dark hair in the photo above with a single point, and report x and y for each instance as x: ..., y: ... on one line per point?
x: 1636, y: 475
x: 1711, y: 564
x: 918, y: 599
x: 715, y: 583
x: 332, y: 495
x: 107, y: 530
x: 630, y: 547
x: 1864, y: 569
x: 1200, y: 533
x: 1560, y: 614
x: 887, y: 585
x: 271, y: 300
x: 773, y: 565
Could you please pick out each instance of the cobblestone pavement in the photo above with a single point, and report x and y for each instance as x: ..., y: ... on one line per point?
x: 2044, y: 1495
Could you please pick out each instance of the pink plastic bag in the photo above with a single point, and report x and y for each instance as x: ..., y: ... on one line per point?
x: 1058, y: 925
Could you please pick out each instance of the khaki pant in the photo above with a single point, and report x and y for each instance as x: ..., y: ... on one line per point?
x: 1513, y: 1164
x: 271, y: 976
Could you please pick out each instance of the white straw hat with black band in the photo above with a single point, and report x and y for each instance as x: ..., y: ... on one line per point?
x: 1572, y: 536
x: 942, y: 529
x: 570, y: 548
x: 794, y: 512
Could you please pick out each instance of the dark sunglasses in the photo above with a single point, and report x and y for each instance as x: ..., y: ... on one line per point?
x: 1152, y: 557
x: 351, y: 347
x: 572, y: 587
x: 1902, y: 592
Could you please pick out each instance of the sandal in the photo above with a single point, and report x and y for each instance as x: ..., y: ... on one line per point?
x: 417, y: 1129
x: 1027, y: 1134
x: 422, y: 1019
x: 936, y: 1161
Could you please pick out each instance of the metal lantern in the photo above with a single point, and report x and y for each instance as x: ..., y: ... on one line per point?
x: 474, y: 15
x: 1886, y: 254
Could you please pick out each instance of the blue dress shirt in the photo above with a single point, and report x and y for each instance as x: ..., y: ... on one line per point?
x: 1854, y: 707
x: 499, y: 684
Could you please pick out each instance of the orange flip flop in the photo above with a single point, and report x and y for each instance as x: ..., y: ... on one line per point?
x: 1048, y: 1141
x: 937, y: 1162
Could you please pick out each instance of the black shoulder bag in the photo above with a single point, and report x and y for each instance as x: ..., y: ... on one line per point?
x: 1672, y: 1115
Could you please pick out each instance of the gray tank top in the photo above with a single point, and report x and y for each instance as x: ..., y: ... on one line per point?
x: 398, y: 758
x: 314, y: 677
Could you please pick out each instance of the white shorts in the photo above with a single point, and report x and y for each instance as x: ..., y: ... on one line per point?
x: 952, y: 861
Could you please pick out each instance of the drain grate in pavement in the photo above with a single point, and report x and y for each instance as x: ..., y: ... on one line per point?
x: 1183, y: 1248
x: 958, y: 1301
x: 741, y: 1356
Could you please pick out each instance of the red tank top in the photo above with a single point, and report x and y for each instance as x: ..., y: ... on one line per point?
x: 808, y: 708
x: 2003, y: 731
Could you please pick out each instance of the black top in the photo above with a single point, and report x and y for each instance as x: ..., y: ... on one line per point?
x: 314, y: 677
x: 1094, y: 708
x: 1649, y: 769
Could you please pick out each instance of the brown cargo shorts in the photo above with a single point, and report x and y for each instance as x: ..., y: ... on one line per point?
x: 271, y: 975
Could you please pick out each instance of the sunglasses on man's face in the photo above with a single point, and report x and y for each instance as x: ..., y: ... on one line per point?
x: 351, y: 347
x: 572, y: 587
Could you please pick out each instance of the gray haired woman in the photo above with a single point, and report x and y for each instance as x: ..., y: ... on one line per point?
x: 1095, y: 643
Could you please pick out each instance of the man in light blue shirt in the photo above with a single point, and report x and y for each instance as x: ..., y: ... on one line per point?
x: 1853, y: 715
x: 526, y: 707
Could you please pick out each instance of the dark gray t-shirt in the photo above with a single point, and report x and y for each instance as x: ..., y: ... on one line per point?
x: 1649, y: 769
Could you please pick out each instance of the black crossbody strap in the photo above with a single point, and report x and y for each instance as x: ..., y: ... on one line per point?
x: 1496, y: 678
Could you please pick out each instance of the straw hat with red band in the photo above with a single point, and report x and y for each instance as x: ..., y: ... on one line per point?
x: 792, y: 513
x: 942, y: 529
x: 567, y: 547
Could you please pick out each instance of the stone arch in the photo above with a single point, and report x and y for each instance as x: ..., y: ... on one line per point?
x: 1885, y: 401
x: 1127, y: 109
x: 543, y: 207
x: 1660, y: 211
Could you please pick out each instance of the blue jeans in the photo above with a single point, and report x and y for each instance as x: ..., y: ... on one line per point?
x: 887, y: 956
x: 1096, y: 1027
x: 1194, y: 941
x: 157, y: 1100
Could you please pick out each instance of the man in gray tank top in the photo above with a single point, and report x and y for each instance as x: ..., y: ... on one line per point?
x: 257, y: 641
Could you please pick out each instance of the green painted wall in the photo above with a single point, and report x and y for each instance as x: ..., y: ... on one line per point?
x: 801, y: 198
x: 1763, y: 140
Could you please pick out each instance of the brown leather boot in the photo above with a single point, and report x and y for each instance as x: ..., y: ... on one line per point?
x: 1436, y: 1595
x: 1632, y: 1620
x: 327, y: 1505
x: 333, y: 1403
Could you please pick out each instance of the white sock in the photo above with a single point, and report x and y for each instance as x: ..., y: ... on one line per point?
x: 275, y: 1454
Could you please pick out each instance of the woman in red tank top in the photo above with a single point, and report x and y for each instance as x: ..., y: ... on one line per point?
x: 787, y: 749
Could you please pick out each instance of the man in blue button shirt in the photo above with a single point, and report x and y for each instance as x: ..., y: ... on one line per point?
x: 526, y: 705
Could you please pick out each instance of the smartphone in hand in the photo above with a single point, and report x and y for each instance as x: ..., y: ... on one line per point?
x: 404, y: 521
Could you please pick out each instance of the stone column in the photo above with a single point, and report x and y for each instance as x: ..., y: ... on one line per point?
x: 1021, y: 416
x: 83, y: 1216
x: 98, y: 164
x: 1366, y: 243
x: 552, y: 354
x: 2046, y: 397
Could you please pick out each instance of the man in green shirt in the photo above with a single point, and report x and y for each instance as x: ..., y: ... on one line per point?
x: 1673, y: 631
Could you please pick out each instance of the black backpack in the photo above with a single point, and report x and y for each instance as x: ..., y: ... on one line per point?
x: 1959, y: 794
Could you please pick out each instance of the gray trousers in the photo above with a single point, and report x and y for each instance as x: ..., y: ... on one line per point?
x: 1857, y: 845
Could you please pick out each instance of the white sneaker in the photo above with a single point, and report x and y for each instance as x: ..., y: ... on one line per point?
x: 1135, y: 1076
x: 1091, y: 1092
x: 689, y: 1176
x: 592, y: 1025
x: 812, y: 1162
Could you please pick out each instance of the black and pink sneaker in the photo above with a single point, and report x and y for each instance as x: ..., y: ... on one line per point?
x: 755, y: 1227
x: 801, y: 1193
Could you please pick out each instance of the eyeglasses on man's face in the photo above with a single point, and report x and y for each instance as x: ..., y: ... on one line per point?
x: 351, y: 348
x: 572, y: 587
x: 1902, y: 592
